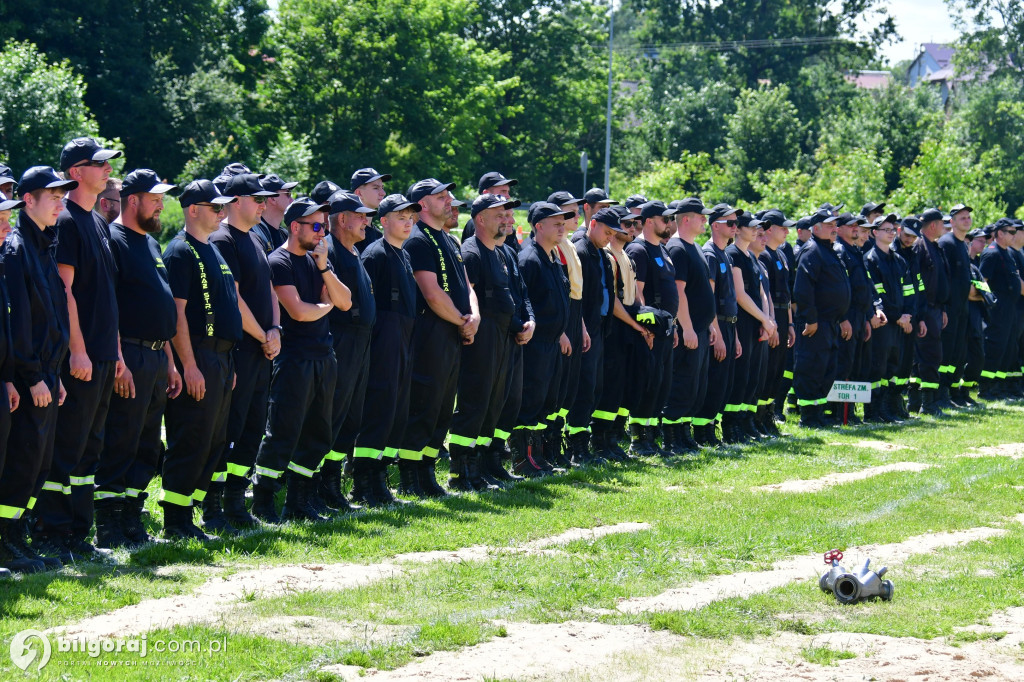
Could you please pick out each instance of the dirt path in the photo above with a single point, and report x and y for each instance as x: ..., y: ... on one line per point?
x: 215, y: 596
x: 1011, y: 450
x: 816, y: 484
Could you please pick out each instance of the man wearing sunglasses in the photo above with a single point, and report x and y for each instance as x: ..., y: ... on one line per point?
x: 1000, y: 270
x: 821, y: 297
x: 65, y: 511
x: 261, y: 342
x: 270, y: 234
x: 209, y: 326
x: 302, y: 386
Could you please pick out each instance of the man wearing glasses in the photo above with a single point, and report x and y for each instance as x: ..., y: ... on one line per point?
x: 65, y: 512
x: 302, y: 387
x: 999, y: 268
x: 252, y: 356
x: 269, y: 234
x: 109, y: 201
x: 209, y: 326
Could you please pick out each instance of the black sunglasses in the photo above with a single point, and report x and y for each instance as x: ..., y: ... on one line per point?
x: 94, y: 164
x: 217, y: 208
x: 730, y: 223
x: 316, y: 227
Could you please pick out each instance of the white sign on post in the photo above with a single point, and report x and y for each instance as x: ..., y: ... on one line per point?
x: 850, y: 392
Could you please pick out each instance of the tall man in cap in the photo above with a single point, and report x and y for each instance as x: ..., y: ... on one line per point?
x: 268, y: 233
x: 302, y: 385
x: 777, y: 265
x: 350, y: 333
x: 1001, y: 272
x: 656, y: 284
x: 209, y: 326
x: 147, y: 322
x: 934, y: 282
x: 953, y: 245
x: 10, y: 399
x: 723, y: 347
x: 593, y: 201
x: 252, y: 357
x: 39, y: 342
x: 821, y: 297
x: 368, y: 185
x: 548, y: 288
x: 872, y: 211
x: 907, y: 234
x: 483, y: 369
x: 87, y: 269
x: 978, y: 302
x: 448, y: 317
x: 694, y: 317
x: 492, y: 182
x: 386, y: 408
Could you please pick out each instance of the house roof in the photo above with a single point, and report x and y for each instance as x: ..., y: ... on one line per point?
x: 942, y: 54
x: 869, y: 80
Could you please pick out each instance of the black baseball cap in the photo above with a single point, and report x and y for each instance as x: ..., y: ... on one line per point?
x: 396, y: 202
x: 650, y: 209
x: 635, y: 201
x: 9, y: 204
x: 203, y: 191
x: 804, y: 223
x: 960, y: 207
x: 43, y: 177
x: 458, y: 203
x: 689, y: 205
x: 911, y: 225
x: 342, y: 201
x: 365, y: 175
x: 870, y: 208
x: 302, y: 207
x: 611, y: 217
x: 774, y: 216
x: 930, y: 215
x: 561, y: 198
x: 546, y: 209
x: 427, y: 187
x: 890, y: 218
x: 84, y: 149
x: 830, y: 208
x: 493, y: 179
x: 245, y: 185
x: 598, y: 196
x: 977, y: 232
x: 274, y: 183
x: 145, y: 180
x: 847, y: 218
x: 6, y: 174
x: 486, y: 201
x: 748, y: 219
x: 719, y: 211
x: 323, y: 191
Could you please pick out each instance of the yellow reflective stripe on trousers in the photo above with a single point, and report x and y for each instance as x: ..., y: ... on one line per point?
x: 106, y: 495
x: 175, y: 498
x: 465, y: 442
x: 411, y: 455
x: 947, y: 369
x: 335, y: 456
x: 219, y: 477
x: 82, y: 480
x: 199, y: 495
x: 787, y: 374
x: 54, y: 487
x: 604, y: 415
x: 269, y: 473
x: 367, y: 453
x: 300, y: 470
x: 237, y: 469
x: 12, y: 513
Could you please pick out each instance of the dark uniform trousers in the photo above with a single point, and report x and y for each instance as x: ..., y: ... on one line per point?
x: 131, y: 444
x: 5, y: 428
x: 386, y: 407
x: 659, y: 381
x: 436, y: 356
x: 886, y: 344
x: 954, y: 345
x: 483, y: 376
x: 197, y: 429
x: 907, y: 343
x: 543, y: 365
x: 815, y: 363
x: 32, y: 431
x: 689, y: 379
x: 999, y: 349
x: 850, y: 350
x: 975, y: 345
x: 747, y: 367
x: 571, y: 364
x: 352, y: 351
x: 775, y: 363
x: 626, y: 371
x: 720, y: 377
x: 590, y: 384
x: 299, y: 418
x: 1015, y: 363
x: 928, y: 349
x: 247, y: 418
x: 513, y: 391
x: 76, y: 452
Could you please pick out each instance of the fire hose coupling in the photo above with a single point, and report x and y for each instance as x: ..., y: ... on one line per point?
x: 852, y: 586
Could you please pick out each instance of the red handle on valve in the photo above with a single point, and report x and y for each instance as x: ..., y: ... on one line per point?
x: 833, y: 555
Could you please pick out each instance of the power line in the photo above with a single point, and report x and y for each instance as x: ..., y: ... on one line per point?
x: 731, y: 45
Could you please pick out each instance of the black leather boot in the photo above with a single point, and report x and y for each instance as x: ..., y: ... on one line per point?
x: 131, y: 520
x: 409, y: 478
x: 264, y: 504
x: 11, y: 556
x: 428, y: 478
x: 108, y: 524
x: 363, y: 486
x: 639, y: 445
x: 491, y: 463
x: 235, y: 511
x: 297, y: 503
x: 458, y: 476
x: 213, y: 515
x: 523, y: 463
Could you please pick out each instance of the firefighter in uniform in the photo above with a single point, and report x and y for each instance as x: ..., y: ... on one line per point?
x: 999, y: 268
x: 821, y: 296
x: 368, y: 185
x: 269, y: 234
x: 978, y: 304
x: 932, y: 276
x: 777, y: 264
x: 209, y: 326
x: 954, y: 335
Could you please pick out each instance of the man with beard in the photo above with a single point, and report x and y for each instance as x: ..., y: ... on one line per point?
x: 147, y: 323
x: 368, y: 185
x: 1001, y: 272
x: 87, y: 269
x: 269, y: 234
x: 302, y: 385
x: 252, y: 357
x: 493, y: 182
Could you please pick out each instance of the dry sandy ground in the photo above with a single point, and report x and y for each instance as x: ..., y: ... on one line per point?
x: 1011, y: 450
x: 876, y: 445
x: 211, y: 599
x: 815, y: 484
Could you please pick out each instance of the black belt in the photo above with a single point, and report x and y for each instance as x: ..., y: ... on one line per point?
x: 728, y: 320
x: 215, y: 344
x: 783, y: 306
x: 145, y: 343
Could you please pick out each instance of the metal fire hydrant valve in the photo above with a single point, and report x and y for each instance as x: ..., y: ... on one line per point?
x: 849, y: 587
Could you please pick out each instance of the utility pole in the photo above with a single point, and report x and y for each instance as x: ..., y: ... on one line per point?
x: 608, y: 122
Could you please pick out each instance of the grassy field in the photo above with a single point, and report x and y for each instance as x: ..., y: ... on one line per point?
x: 706, y: 519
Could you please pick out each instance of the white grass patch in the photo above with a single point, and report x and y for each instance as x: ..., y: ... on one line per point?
x: 816, y: 484
x: 880, y: 445
x: 1011, y: 450
x: 800, y: 568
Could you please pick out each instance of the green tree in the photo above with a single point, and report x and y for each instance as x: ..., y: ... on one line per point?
x: 41, y: 107
x: 993, y: 115
x: 992, y: 38
x: 695, y: 175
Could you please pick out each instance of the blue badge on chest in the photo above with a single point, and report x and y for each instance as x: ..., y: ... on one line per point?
x: 722, y: 266
x: 661, y: 263
x: 778, y: 265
